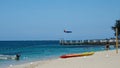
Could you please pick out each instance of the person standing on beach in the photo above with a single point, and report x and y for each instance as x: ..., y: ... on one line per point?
x: 107, y: 45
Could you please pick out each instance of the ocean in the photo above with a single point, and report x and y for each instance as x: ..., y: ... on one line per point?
x: 30, y: 51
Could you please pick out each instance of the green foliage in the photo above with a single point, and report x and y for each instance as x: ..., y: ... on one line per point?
x: 117, y: 25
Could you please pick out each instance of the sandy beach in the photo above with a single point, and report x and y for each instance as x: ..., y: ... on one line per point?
x: 103, y: 59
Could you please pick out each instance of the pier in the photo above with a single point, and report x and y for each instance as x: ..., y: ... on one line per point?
x: 88, y: 42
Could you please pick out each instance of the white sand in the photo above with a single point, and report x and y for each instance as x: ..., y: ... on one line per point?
x: 104, y: 59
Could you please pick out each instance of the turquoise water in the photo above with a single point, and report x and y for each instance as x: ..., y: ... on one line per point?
x: 40, y: 50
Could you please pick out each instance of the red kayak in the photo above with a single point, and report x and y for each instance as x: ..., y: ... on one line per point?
x: 77, y: 55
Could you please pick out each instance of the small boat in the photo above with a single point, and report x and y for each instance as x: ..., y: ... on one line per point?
x: 77, y: 55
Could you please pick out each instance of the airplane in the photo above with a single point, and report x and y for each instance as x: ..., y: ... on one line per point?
x: 67, y: 31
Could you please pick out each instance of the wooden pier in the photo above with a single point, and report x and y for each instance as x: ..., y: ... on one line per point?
x: 88, y: 42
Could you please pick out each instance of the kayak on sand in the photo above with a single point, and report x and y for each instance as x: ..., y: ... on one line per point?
x: 77, y: 55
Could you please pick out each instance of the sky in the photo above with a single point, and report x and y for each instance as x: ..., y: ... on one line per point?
x: 47, y: 19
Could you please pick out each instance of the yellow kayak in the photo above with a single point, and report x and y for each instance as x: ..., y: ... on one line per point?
x: 77, y: 55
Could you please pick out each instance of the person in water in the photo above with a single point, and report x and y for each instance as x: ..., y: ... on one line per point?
x: 17, y: 57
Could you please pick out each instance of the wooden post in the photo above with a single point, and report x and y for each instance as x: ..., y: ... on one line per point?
x: 116, y: 40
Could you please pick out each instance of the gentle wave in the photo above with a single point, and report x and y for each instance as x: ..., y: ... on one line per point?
x: 5, y: 57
